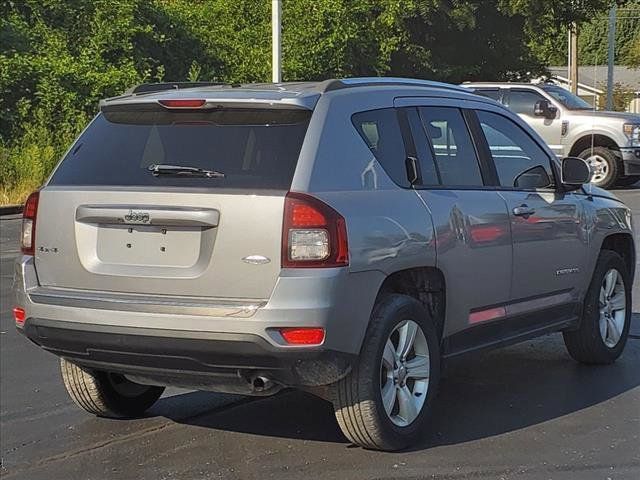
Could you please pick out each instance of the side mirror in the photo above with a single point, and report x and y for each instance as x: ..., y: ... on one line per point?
x: 544, y: 109
x: 534, y: 177
x: 575, y: 172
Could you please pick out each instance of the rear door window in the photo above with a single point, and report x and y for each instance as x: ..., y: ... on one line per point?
x: 429, y: 173
x: 455, y: 154
x: 254, y: 148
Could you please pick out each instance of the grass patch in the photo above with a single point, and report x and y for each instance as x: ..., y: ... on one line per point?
x: 16, y: 194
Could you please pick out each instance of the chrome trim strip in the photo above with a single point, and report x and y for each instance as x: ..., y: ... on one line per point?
x: 520, y: 307
x: 146, y: 303
x: 163, y: 216
x: 540, y: 303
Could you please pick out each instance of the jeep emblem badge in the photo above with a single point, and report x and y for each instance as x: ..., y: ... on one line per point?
x: 137, y: 217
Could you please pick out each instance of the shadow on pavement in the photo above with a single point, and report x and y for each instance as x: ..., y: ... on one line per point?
x: 480, y: 396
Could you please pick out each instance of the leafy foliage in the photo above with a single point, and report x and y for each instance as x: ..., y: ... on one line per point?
x: 58, y: 58
x: 593, y: 39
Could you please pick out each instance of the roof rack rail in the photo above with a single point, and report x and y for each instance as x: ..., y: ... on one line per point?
x: 158, y: 87
x: 370, y: 81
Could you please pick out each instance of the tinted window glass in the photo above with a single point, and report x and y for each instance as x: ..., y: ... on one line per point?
x: 380, y: 130
x: 512, y: 149
x: 253, y: 148
x: 454, y: 151
x: 494, y: 94
x: 568, y: 99
x: 521, y: 101
x: 425, y: 156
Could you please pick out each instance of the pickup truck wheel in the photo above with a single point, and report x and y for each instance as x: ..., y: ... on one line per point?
x: 629, y: 180
x: 107, y: 394
x: 606, y: 317
x: 605, y: 166
x: 384, y: 402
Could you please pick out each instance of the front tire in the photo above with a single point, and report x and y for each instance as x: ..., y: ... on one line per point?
x: 606, y: 166
x: 384, y: 402
x: 606, y: 317
x: 107, y: 394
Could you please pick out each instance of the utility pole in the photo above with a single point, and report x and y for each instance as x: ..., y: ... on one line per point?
x: 573, y: 57
x: 276, y: 44
x: 611, y: 56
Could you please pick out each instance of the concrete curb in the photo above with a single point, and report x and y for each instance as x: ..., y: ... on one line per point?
x: 10, y: 209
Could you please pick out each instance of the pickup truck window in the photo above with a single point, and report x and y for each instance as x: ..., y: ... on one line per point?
x: 566, y: 98
x: 490, y: 93
x: 513, y: 151
x: 523, y: 101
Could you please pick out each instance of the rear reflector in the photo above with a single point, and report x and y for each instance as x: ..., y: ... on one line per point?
x: 486, y: 315
x: 29, y: 223
x: 19, y: 315
x: 302, y: 335
x: 183, y: 103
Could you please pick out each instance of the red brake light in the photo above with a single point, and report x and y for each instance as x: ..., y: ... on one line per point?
x: 29, y: 214
x: 303, y: 335
x: 19, y: 315
x: 183, y: 103
x: 313, y: 234
x: 303, y: 215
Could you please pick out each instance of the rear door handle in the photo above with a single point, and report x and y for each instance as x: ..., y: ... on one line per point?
x: 147, y: 215
x: 523, y: 211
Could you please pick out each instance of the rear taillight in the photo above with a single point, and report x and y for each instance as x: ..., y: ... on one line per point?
x: 29, y: 223
x: 313, y: 234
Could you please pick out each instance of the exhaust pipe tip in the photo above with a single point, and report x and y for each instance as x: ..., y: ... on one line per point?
x: 261, y: 384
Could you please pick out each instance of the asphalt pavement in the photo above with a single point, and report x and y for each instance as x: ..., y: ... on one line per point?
x: 523, y: 412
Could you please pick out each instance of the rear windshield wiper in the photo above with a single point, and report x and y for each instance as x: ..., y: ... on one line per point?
x: 180, y: 170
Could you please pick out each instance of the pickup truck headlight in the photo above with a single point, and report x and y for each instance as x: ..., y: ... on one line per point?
x: 632, y: 131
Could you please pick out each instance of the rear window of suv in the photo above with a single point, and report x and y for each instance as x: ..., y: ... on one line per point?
x: 253, y: 148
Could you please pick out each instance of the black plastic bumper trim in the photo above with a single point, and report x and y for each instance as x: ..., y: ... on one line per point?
x: 132, y: 349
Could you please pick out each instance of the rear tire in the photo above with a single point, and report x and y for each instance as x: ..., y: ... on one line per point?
x: 358, y: 398
x: 602, y: 334
x: 107, y: 394
x: 607, y: 164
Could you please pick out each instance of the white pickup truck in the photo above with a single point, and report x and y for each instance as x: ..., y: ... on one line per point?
x: 609, y: 141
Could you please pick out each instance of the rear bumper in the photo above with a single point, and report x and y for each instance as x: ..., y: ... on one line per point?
x: 209, y: 345
x: 217, y: 361
x: 631, y: 160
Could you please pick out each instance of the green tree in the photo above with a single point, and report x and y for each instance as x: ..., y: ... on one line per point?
x: 633, y: 55
x: 58, y: 58
x: 593, y: 39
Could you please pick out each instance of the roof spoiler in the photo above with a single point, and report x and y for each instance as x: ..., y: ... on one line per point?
x: 159, y: 87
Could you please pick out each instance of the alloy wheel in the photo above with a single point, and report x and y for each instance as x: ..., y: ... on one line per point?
x: 404, y: 373
x: 613, y: 308
x: 599, y: 167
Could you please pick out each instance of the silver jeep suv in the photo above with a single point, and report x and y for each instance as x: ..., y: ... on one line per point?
x: 345, y: 237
